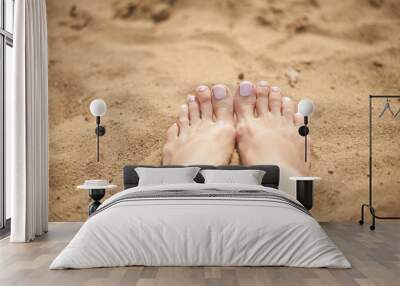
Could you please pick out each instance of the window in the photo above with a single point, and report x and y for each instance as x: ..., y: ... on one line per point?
x: 6, y: 63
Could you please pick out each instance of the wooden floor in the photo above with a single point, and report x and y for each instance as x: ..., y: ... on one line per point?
x: 375, y: 257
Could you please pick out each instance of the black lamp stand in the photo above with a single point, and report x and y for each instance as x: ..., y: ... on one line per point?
x: 100, y: 131
x: 303, y: 131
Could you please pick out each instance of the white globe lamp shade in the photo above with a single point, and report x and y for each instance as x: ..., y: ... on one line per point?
x: 98, y: 107
x: 305, y: 107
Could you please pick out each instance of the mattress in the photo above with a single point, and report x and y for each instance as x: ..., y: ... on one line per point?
x: 201, y: 225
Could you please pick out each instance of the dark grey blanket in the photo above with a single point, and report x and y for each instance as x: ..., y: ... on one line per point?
x: 205, y: 194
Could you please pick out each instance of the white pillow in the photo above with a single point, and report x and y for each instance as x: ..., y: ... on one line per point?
x: 165, y: 176
x: 248, y: 177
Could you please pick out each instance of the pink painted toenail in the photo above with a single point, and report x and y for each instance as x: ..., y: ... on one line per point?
x: 191, y: 98
x: 219, y: 91
x: 202, y: 88
x: 275, y: 88
x: 262, y: 83
x: 245, y: 88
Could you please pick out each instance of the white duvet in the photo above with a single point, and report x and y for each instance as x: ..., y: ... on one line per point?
x: 200, y: 231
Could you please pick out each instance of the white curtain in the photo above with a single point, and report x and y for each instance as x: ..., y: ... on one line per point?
x: 26, y: 124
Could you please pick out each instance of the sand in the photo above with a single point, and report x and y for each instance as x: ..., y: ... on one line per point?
x: 144, y: 57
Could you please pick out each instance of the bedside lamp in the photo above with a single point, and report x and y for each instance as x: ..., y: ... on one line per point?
x: 305, y: 107
x: 98, y: 108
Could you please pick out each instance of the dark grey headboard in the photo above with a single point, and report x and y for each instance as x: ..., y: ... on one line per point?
x: 271, y: 177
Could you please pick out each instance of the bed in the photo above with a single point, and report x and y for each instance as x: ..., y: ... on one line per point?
x: 201, y: 224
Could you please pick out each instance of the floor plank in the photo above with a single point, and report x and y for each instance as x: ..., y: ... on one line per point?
x: 375, y: 257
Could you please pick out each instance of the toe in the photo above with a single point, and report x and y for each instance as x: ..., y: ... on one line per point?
x: 245, y: 100
x: 262, y: 98
x: 222, y: 103
x: 203, y: 95
x: 172, y: 136
x: 274, y: 100
x: 298, y: 119
x: 194, y: 111
x: 288, y: 109
x: 172, y: 133
x: 183, y: 119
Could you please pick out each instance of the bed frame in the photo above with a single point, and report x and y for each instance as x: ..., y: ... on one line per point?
x: 270, y: 179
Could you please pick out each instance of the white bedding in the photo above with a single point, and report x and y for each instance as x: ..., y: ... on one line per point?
x: 185, y: 231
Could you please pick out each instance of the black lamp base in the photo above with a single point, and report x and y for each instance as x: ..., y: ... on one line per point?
x: 100, y: 130
x: 304, y: 130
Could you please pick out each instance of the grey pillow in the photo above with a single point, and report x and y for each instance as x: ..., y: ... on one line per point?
x: 248, y: 177
x: 163, y: 176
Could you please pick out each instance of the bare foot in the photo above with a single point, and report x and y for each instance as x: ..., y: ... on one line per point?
x: 204, y: 133
x: 267, y: 128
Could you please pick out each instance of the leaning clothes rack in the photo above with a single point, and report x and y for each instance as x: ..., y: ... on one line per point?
x: 370, y: 190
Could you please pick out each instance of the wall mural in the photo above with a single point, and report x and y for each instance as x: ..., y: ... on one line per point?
x: 143, y: 58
